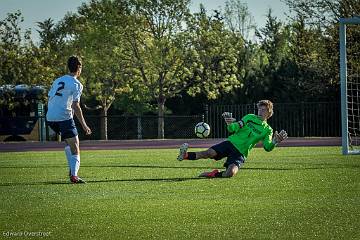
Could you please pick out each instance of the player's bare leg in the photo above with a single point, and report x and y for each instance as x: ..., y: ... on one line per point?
x: 230, y: 171
x: 209, y: 153
x: 185, y: 155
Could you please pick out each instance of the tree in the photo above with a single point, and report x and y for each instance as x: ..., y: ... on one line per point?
x: 214, y: 56
x: 238, y: 18
x: 97, y: 33
x: 324, y: 13
x: 171, y: 59
x: 20, y: 59
x: 159, y: 49
x: 49, y: 35
x: 309, y: 56
x: 322, y: 17
x: 252, y: 60
x: 12, y: 47
x: 274, y: 41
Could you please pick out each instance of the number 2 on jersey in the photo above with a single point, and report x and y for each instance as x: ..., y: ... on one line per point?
x: 62, y: 86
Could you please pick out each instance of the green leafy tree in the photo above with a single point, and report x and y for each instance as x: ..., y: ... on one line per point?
x: 274, y: 41
x: 250, y: 58
x: 54, y: 48
x: 273, y: 38
x: 252, y: 61
x: 312, y: 67
x: 214, y: 56
x: 324, y: 13
x: 97, y: 33
x: 175, y: 51
x: 12, y: 48
x: 160, y: 50
x: 322, y: 17
x: 50, y: 35
x: 20, y: 59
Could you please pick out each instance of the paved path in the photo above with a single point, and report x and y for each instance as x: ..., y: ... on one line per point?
x: 153, y: 143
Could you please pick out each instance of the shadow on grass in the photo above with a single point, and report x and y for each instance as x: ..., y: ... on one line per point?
x: 291, y: 166
x: 148, y: 180
x: 244, y: 168
x: 103, y: 181
x: 145, y: 166
x: 111, y: 166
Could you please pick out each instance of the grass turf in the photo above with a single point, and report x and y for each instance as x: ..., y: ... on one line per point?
x: 290, y: 193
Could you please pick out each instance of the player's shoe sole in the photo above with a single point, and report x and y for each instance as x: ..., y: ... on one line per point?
x: 76, y: 180
x: 182, y: 152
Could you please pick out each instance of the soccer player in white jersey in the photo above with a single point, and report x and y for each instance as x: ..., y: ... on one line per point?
x: 64, y: 100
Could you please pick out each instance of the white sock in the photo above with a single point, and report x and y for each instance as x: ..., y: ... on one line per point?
x: 75, y: 164
x: 68, y: 155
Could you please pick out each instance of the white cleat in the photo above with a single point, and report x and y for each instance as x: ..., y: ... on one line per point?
x: 183, y: 150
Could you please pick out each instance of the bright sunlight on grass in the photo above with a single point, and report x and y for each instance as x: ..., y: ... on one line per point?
x: 290, y: 193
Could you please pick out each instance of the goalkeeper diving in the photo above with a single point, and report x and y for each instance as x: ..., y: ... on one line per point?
x: 244, y: 135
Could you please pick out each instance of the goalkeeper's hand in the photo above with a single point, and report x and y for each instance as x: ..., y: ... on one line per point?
x: 279, y: 137
x: 228, y: 117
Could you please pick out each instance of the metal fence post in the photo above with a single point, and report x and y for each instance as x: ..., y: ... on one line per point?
x: 41, y: 122
x: 206, y: 109
x: 302, y: 119
x: 139, y: 127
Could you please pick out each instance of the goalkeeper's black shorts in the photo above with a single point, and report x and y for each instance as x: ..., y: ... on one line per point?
x: 227, y: 149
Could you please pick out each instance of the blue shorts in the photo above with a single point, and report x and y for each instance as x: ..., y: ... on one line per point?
x: 227, y: 149
x: 66, y: 129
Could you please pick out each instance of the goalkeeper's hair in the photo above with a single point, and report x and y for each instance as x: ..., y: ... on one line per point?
x: 268, y: 104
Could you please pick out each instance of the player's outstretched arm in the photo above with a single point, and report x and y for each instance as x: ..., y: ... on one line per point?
x: 279, y: 137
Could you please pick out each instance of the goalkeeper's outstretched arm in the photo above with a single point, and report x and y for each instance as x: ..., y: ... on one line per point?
x: 271, y: 140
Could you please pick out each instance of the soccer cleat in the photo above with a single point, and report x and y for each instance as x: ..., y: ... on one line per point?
x: 76, y: 179
x: 211, y: 174
x: 183, y: 150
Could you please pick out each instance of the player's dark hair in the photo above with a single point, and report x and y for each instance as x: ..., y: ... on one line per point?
x: 74, y: 64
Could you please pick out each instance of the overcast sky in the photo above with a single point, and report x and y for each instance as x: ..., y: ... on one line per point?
x: 38, y: 10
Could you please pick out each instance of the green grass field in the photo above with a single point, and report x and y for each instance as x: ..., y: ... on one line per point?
x: 290, y: 193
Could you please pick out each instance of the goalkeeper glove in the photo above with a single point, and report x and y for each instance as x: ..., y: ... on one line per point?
x: 279, y: 137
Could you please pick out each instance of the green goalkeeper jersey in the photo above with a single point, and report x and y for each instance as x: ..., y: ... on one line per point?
x: 250, y: 130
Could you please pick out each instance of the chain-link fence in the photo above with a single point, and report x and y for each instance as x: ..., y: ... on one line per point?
x: 298, y: 119
x: 142, y: 127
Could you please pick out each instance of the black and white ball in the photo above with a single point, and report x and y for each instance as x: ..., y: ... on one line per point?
x: 202, y: 130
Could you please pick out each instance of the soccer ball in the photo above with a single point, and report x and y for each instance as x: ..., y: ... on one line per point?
x: 202, y: 130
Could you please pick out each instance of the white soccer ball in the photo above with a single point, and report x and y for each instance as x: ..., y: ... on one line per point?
x: 202, y: 130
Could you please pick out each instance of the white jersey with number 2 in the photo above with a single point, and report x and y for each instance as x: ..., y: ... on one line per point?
x: 63, y: 92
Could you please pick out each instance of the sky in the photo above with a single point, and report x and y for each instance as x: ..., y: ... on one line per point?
x: 39, y: 10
